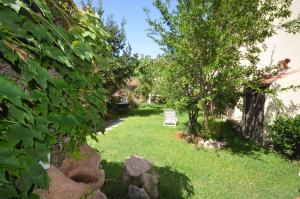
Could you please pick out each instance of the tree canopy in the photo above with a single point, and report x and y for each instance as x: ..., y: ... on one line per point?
x: 213, y: 48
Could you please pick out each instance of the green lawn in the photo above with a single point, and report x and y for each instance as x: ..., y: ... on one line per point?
x: 241, y: 171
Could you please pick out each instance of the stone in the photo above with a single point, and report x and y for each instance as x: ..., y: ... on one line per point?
x: 97, y: 195
x: 85, y: 169
x: 190, y: 138
x: 211, y: 144
x: 140, y: 178
x: 180, y: 135
x: 130, y: 180
x: 149, y: 182
x: 62, y: 187
x: 135, y: 166
x: 199, y: 141
x: 135, y: 192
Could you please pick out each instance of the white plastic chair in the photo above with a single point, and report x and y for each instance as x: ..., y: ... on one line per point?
x: 170, y: 118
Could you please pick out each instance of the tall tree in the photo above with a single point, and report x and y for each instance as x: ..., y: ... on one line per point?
x: 117, y: 34
x: 214, y: 48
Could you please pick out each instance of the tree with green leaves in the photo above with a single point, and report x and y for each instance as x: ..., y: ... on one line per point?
x: 119, y: 65
x: 213, y: 48
x: 148, y: 74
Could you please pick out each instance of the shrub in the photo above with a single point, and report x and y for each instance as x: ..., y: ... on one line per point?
x: 285, y: 135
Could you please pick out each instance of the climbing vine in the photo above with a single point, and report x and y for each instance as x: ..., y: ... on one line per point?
x: 51, y: 91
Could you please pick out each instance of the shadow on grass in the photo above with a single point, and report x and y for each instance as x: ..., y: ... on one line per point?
x: 237, y: 143
x: 172, y: 184
x: 147, y: 110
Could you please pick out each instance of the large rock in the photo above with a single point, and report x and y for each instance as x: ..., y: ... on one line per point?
x: 97, y: 195
x: 85, y: 168
x: 135, y: 192
x: 140, y: 177
x: 77, y: 177
x: 149, y: 183
x: 135, y: 166
x: 62, y: 187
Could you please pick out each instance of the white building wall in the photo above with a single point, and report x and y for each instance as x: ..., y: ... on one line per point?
x: 280, y: 46
x: 285, y: 45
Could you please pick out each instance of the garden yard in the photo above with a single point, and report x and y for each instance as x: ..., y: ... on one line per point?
x: 242, y: 170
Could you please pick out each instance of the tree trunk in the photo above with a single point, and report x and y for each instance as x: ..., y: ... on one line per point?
x: 206, y: 117
x: 193, y: 127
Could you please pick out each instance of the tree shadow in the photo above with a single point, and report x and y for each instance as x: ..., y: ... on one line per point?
x: 238, y: 143
x: 146, y: 110
x: 172, y: 184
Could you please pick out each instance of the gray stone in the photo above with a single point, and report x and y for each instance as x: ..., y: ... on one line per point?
x: 211, y: 144
x: 149, y: 182
x: 97, y: 195
x: 135, y: 166
x: 199, y: 142
x: 135, y: 192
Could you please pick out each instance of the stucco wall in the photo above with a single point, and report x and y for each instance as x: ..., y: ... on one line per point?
x: 284, y: 45
x: 280, y: 46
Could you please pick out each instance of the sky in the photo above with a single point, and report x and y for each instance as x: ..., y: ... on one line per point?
x: 132, y: 11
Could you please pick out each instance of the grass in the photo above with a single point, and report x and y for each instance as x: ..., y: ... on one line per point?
x: 243, y: 170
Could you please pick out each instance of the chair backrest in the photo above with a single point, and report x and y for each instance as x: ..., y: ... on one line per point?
x: 170, y: 117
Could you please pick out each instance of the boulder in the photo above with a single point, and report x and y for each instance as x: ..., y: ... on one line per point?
x: 62, y: 187
x: 140, y: 177
x: 76, y: 178
x: 135, y: 166
x: 97, y: 195
x: 85, y: 168
x: 149, y: 183
x: 135, y: 192
x: 131, y: 180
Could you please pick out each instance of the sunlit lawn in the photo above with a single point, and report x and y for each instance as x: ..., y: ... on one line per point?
x: 241, y: 171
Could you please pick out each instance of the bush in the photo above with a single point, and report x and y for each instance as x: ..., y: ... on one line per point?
x: 285, y: 135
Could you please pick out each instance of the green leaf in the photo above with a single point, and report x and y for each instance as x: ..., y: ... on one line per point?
x: 8, y: 191
x: 59, y: 84
x: 93, y: 100
x: 42, y: 125
x: 11, y: 91
x: 19, y: 115
x: 41, y: 152
x: 15, y: 5
x: 2, y: 176
x: 25, y: 180
x: 31, y: 67
x: 38, y: 31
x: 10, y: 19
x: 42, y: 5
x: 8, y: 54
x: 42, y: 77
x: 69, y: 121
x: 17, y: 133
x: 8, y: 159
x: 57, y: 55
x: 89, y: 34
x: 82, y: 50
x: 39, y: 95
